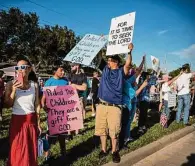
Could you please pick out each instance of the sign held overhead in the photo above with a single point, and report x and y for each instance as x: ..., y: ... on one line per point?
x: 85, y: 51
x: 121, y: 34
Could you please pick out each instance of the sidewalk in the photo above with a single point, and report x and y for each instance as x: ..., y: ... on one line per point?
x: 135, y: 157
x: 179, y: 153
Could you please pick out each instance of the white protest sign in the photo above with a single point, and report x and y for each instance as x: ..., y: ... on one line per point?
x: 172, y: 99
x: 155, y: 63
x: 85, y: 51
x: 121, y: 34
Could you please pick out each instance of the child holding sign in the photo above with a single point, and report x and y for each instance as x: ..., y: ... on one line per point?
x: 56, y: 80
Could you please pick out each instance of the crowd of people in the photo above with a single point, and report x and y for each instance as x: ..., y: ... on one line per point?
x: 116, y: 96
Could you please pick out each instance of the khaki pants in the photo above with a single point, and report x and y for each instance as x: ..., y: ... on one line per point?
x: 108, y: 120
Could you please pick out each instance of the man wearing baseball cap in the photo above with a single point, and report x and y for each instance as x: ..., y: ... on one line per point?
x: 109, y: 110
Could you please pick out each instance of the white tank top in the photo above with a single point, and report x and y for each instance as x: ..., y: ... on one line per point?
x: 24, y: 101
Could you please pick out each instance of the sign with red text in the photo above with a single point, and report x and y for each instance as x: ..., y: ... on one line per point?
x: 121, y: 34
x: 64, y: 109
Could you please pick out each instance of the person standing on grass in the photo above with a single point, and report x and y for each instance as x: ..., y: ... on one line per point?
x: 183, y: 88
x: 133, y: 101
x: 94, y: 91
x: 128, y: 95
x: 79, y: 81
x: 144, y: 99
x: 2, y: 88
x: 57, y: 80
x: 109, y: 110
x: 23, y: 97
x: 165, y: 90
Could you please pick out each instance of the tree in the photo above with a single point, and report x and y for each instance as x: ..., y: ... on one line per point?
x: 174, y: 73
x: 20, y: 35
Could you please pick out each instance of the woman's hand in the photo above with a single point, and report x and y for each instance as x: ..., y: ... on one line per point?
x: 16, y: 85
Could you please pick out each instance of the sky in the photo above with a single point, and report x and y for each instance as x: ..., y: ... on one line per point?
x: 163, y: 28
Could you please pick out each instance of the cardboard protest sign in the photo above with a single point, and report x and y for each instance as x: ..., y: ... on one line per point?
x: 64, y: 109
x: 172, y: 99
x: 121, y: 34
x: 85, y: 51
x: 155, y: 63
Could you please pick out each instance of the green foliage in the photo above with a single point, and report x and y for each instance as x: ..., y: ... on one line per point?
x: 174, y: 73
x: 83, y: 151
x: 20, y: 35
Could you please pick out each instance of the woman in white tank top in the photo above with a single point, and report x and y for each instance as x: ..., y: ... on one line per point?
x: 23, y: 96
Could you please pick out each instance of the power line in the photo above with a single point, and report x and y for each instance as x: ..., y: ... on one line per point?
x: 45, y: 21
x: 57, y: 12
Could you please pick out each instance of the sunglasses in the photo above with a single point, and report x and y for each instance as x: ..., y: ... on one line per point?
x: 22, y: 67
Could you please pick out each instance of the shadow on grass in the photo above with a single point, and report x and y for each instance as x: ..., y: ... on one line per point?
x: 76, y: 152
x: 4, y: 148
x: 152, y: 119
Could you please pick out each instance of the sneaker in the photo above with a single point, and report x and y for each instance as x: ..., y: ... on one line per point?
x: 102, y: 154
x: 187, y: 124
x: 116, y: 157
x: 144, y: 128
x: 141, y: 130
x: 128, y: 140
x: 93, y: 115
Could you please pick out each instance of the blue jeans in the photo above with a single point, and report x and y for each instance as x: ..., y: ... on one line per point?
x: 166, y: 109
x: 183, y: 103
x: 130, y: 120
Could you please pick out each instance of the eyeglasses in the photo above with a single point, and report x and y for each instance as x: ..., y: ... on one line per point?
x: 22, y: 67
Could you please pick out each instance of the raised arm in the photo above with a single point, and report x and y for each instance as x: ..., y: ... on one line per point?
x: 145, y: 83
x: 140, y: 66
x: 128, y: 63
x: 10, y: 92
x: 174, y: 79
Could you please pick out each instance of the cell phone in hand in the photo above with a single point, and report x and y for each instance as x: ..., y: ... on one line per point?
x: 20, y: 78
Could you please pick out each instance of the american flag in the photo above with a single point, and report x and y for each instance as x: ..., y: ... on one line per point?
x: 163, y: 119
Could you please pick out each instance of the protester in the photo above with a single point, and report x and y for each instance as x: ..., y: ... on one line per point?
x: 165, y: 90
x: 41, y: 85
x: 108, y: 115
x: 192, y: 110
x: 23, y: 97
x: 2, y: 88
x: 144, y: 98
x: 79, y: 81
x: 130, y: 102
x: 94, y: 91
x: 183, y: 88
x: 57, y: 80
x: 127, y: 118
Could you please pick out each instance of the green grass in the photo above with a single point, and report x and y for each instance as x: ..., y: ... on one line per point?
x: 83, y: 150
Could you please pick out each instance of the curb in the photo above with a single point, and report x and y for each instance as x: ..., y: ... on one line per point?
x: 141, y: 153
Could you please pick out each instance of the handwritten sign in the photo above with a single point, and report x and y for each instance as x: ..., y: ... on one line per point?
x: 64, y: 109
x: 85, y: 51
x: 121, y: 34
x: 172, y: 99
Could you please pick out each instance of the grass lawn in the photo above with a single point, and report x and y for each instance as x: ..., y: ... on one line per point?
x: 83, y: 150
